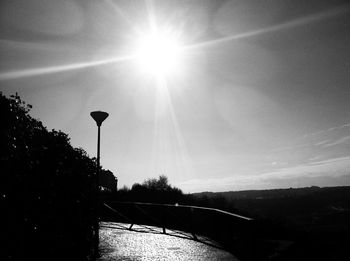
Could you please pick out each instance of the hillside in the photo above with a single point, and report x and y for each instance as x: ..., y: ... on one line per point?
x: 272, y: 193
x: 282, y: 203
x: 316, y: 219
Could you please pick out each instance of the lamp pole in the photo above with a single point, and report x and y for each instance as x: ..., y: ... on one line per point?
x: 99, y: 117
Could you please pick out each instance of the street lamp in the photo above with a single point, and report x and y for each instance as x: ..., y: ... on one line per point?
x: 99, y: 117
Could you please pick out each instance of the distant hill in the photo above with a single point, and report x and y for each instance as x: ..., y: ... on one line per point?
x: 272, y: 193
x: 316, y: 219
x: 282, y: 203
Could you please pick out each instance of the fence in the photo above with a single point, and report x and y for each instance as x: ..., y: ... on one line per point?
x: 234, y: 232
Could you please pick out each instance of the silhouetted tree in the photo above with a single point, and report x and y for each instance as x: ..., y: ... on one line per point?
x: 160, y: 184
x: 108, y: 181
x: 152, y: 191
x: 46, y: 188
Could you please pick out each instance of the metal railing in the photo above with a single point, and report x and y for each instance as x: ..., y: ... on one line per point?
x: 234, y: 232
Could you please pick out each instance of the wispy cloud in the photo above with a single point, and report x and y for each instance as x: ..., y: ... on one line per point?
x: 327, y: 130
x: 335, y: 171
x: 320, y: 143
x: 343, y: 140
x: 292, y: 147
x: 325, y: 138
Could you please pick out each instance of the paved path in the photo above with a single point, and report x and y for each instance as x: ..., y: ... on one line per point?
x: 149, y: 243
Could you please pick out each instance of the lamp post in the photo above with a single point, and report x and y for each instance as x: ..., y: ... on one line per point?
x: 99, y: 117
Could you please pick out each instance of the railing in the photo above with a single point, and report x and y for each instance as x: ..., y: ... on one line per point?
x: 233, y: 232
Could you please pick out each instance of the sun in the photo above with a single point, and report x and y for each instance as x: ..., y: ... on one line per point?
x: 158, y: 53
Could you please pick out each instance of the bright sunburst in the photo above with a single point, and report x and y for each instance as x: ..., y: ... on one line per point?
x: 158, y: 53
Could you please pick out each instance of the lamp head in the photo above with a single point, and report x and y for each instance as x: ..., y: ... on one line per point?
x: 99, y: 116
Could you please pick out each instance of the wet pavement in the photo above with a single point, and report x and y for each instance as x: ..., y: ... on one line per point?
x: 149, y: 243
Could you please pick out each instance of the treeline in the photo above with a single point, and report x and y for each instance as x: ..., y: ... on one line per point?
x: 160, y: 191
x: 295, y: 208
x: 313, y: 222
x: 47, y: 189
x: 153, y: 190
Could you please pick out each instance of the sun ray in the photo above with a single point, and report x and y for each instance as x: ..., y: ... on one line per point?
x: 11, y: 75
x: 24, y: 44
x: 34, y: 46
x: 341, y: 10
x: 185, y: 160
x: 120, y: 12
x: 151, y: 15
x: 171, y: 126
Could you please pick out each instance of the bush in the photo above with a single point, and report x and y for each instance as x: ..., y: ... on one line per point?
x: 46, y: 189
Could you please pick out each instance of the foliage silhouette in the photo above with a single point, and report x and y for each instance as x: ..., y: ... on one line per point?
x: 107, y: 181
x: 47, y: 189
x: 152, y: 191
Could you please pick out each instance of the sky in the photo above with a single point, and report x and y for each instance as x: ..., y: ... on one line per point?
x: 258, y: 97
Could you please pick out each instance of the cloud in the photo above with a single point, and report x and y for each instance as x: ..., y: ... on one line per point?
x: 343, y: 140
x: 330, y: 172
x: 334, y: 165
x: 291, y: 147
x: 327, y: 130
x: 321, y: 142
x: 324, y: 138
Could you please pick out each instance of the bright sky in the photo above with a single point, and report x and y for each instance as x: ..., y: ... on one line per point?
x: 216, y: 95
